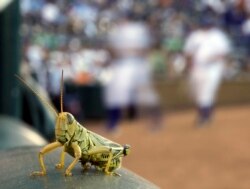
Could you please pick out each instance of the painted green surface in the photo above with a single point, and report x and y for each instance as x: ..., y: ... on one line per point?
x: 17, y: 164
x: 15, y: 133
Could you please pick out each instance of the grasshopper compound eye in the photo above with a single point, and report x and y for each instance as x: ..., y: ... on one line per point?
x: 70, y: 118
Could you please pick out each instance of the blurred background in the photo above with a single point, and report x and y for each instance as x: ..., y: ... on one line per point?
x: 126, y: 76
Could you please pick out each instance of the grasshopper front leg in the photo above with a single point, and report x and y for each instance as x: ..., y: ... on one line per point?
x: 60, y: 165
x: 77, y: 153
x: 44, y: 151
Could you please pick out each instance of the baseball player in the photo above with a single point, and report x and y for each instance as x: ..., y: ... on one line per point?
x: 205, y: 49
x: 128, y: 41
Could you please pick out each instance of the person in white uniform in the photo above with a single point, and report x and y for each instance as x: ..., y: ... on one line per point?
x: 128, y: 41
x: 206, y: 50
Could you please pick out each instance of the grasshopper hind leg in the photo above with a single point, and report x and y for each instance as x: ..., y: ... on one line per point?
x: 111, y: 172
x: 113, y: 165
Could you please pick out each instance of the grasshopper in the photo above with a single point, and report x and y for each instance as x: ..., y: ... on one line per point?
x: 84, y: 145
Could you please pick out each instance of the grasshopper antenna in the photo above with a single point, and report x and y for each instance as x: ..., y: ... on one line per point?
x: 61, y: 93
x: 52, y: 108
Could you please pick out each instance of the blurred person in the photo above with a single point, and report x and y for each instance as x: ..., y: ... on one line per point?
x: 234, y: 17
x: 128, y: 41
x: 206, y: 49
x: 50, y: 13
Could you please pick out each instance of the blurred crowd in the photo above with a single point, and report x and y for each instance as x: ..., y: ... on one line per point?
x: 73, y: 33
x: 79, y: 37
x: 61, y: 32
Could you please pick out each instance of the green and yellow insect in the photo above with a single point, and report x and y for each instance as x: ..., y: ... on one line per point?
x: 85, y: 146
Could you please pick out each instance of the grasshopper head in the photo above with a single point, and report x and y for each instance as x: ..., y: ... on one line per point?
x: 64, y: 119
x: 126, y: 149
